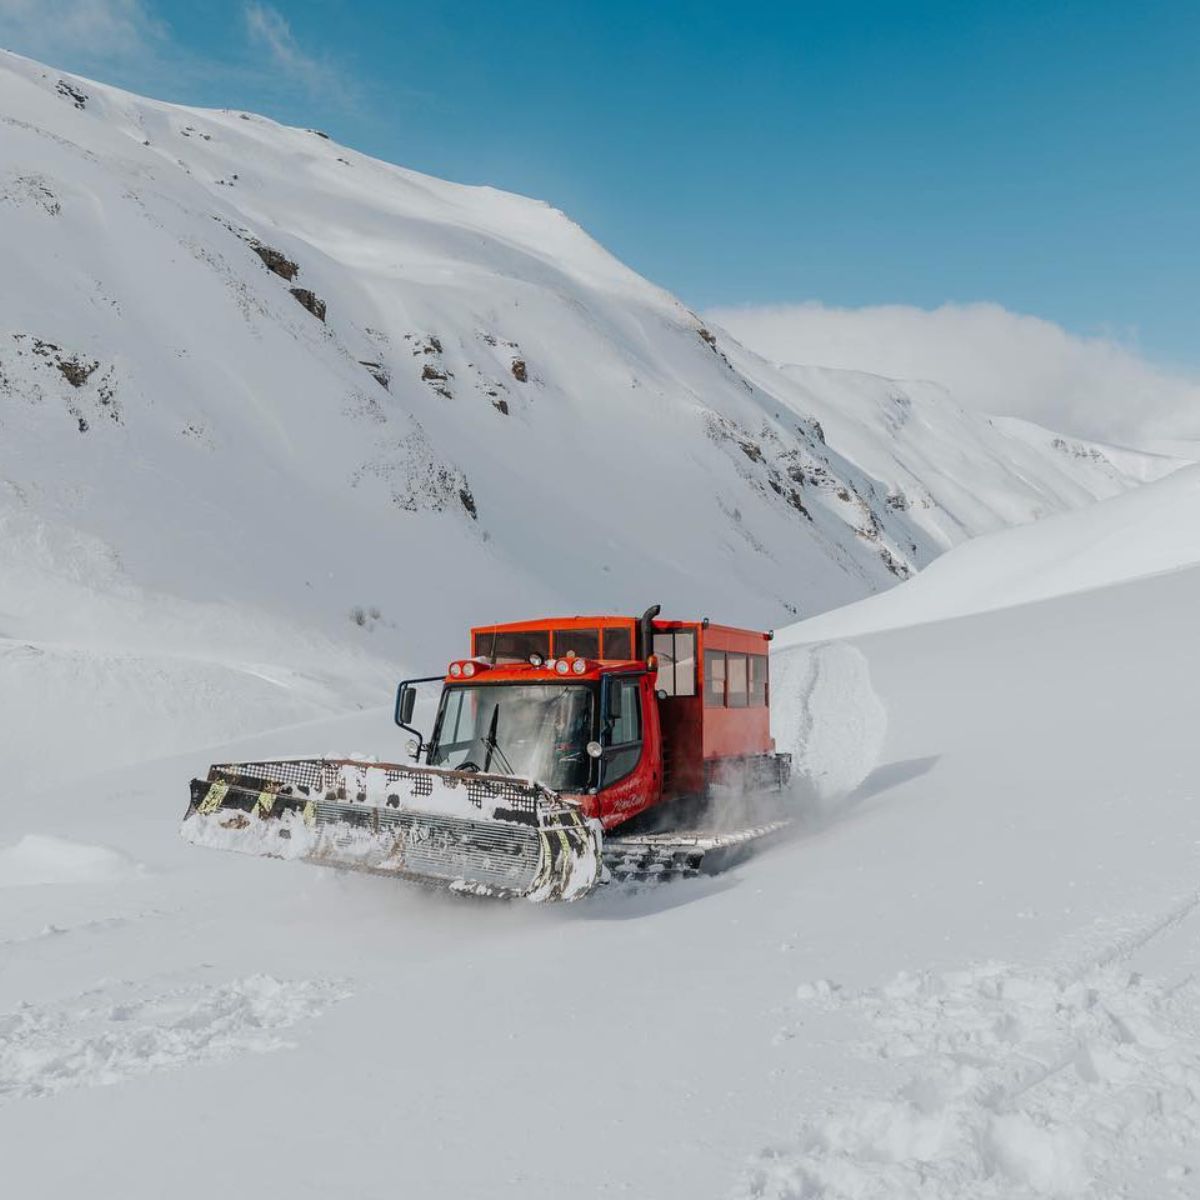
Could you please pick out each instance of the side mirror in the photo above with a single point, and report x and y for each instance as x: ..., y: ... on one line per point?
x: 406, y: 700
x: 594, y: 750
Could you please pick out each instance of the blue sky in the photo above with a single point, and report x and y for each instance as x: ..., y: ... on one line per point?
x: 1040, y: 155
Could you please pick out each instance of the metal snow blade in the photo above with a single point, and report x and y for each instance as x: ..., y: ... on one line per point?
x: 486, y: 834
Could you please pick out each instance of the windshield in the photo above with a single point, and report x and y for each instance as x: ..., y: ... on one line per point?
x: 538, y: 731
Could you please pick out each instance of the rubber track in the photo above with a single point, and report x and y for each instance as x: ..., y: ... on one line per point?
x: 658, y: 857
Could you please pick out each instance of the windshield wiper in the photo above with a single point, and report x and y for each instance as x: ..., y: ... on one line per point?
x: 494, y: 746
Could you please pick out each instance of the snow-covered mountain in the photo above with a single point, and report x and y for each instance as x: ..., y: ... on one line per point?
x: 267, y: 372
x: 259, y: 365
x: 957, y: 472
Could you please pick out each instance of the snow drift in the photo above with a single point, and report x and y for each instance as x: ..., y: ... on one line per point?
x: 1142, y: 533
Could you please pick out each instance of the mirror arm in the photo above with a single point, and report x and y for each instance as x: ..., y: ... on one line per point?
x: 404, y: 685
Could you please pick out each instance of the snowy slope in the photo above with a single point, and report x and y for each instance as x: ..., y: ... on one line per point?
x: 1187, y: 449
x: 973, y: 976
x: 221, y: 513
x: 96, y: 670
x: 1153, y: 530
x: 469, y: 378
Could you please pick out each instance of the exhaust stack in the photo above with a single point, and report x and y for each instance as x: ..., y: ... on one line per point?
x: 645, y: 631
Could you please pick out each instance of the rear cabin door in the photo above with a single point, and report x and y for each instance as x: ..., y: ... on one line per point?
x: 681, y: 712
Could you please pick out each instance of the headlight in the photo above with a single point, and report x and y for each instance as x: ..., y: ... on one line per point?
x: 456, y: 669
x: 468, y: 669
x: 536, y: 660
x: 579, y: 666
x: 563, y: 667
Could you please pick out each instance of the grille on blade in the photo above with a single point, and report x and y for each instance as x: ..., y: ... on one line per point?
x: 491, y: 854
x: 509, y: 799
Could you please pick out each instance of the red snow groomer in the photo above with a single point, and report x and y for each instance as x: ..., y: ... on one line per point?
x: 564, y: 751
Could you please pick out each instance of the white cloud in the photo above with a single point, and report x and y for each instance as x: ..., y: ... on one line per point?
x: 267, y: 27
x: 90, y: 30
x: 991, y: 359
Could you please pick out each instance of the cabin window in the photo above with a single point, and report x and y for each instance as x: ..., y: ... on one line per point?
x: 509, y: 646
x: 676, y: 654
x: 583, y: 643
x: 538, y: 731
x: 714, y: 678
x: 737, y: 683
x: 618, y: 642
x: 734, y: 680
x: 758, y: 680
x: 623, y: 724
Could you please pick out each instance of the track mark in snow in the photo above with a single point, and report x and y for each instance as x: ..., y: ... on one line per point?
x: 1017, y: 1084
x: 1129, y: 943
x: 113, y: 1034
x: 97, y: 925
